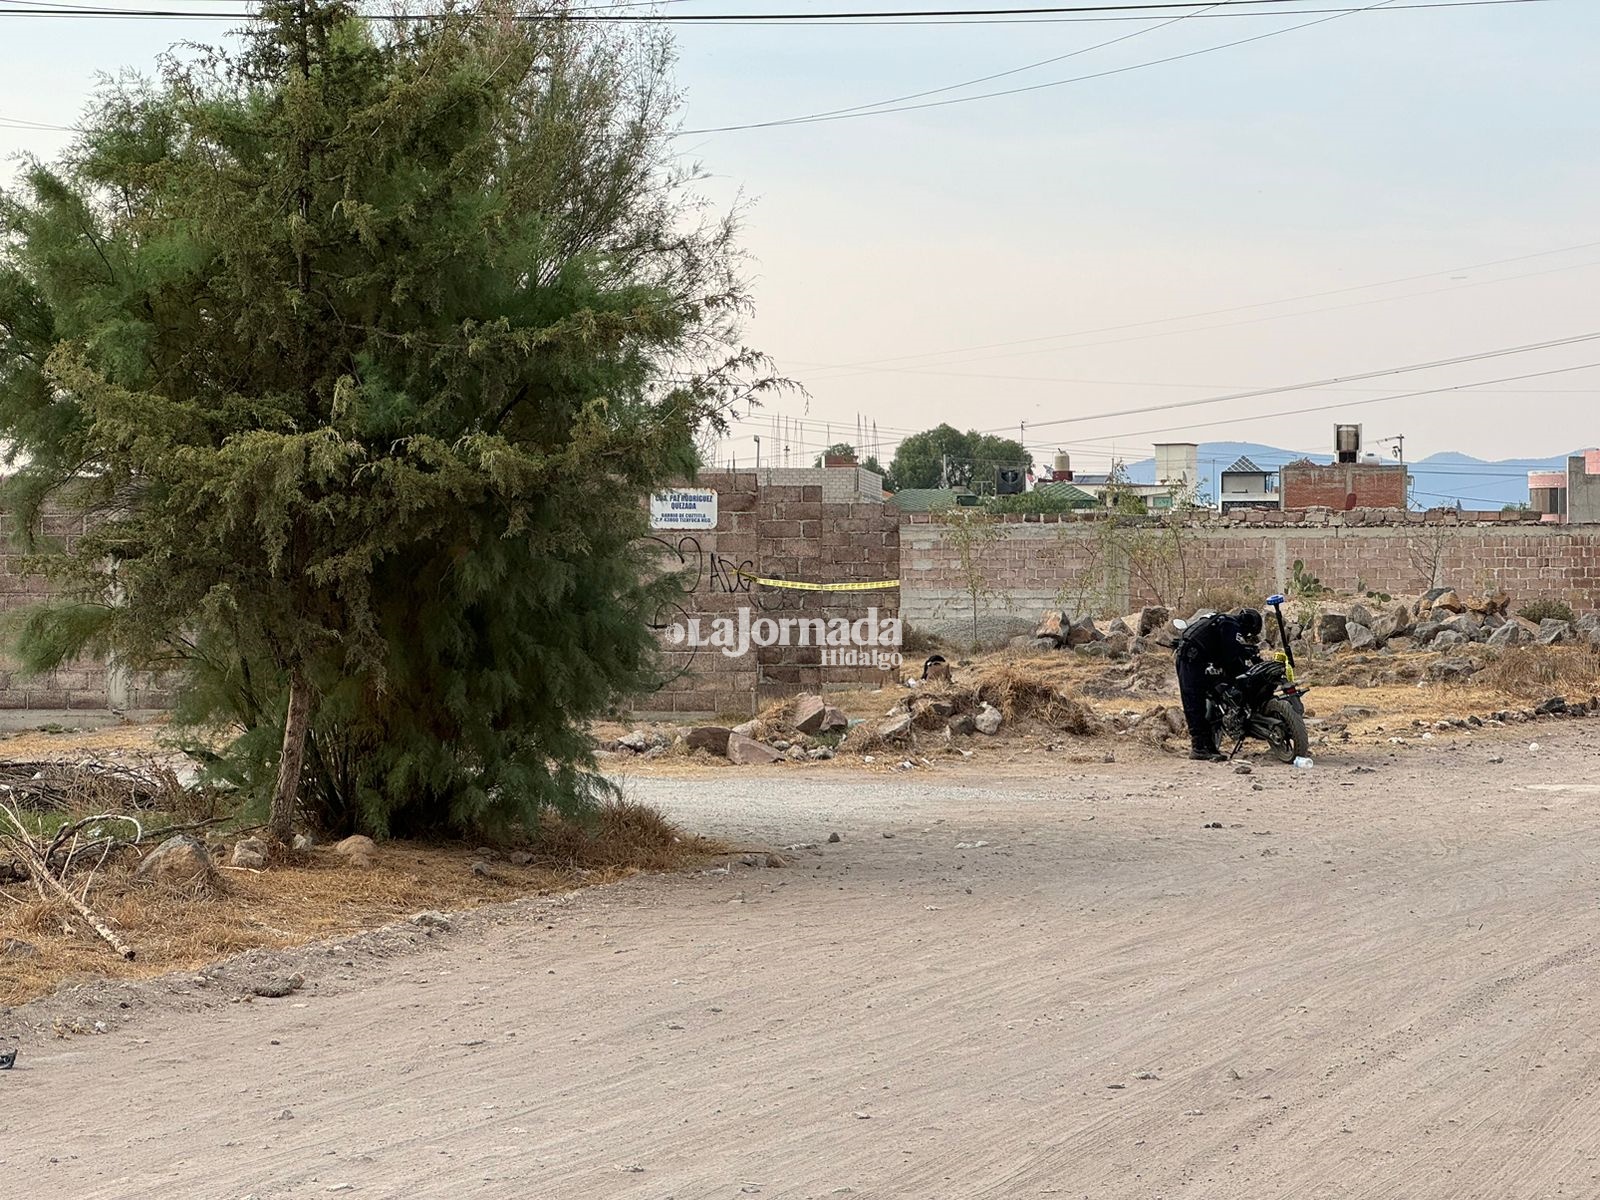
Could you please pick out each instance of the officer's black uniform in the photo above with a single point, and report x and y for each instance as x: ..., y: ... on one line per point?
x: 1225, y: 642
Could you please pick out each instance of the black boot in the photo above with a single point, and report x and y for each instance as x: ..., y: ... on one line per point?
x: 1203, y: 753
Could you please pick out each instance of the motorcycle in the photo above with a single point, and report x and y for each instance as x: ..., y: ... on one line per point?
x: 1265, y: 702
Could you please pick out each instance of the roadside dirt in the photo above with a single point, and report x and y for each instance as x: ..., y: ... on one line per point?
x: 1136, y: 979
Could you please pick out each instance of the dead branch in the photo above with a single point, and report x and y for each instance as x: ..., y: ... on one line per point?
x: 37, y: 868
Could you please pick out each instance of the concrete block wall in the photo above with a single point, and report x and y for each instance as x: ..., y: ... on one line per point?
x: 773, y: 531
x: 85, y: 686
x: 1034, y: 565
x: 840, y: 485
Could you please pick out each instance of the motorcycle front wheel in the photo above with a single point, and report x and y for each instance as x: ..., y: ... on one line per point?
x: 1285, y: 730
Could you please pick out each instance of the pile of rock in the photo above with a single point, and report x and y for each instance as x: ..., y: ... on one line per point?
x: 803, y: 730
x: 1151, y: 628
x: 1442, y: 619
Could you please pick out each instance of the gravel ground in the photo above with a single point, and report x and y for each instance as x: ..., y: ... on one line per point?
x: 1372, y: 979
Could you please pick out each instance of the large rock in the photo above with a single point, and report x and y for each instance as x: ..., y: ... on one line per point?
x: 1404, y: 622
x: 1510, y: 634
x: 896, y: 727
x: 1425, y: 631
x: 1360, y: 614
x: 747, y: 752
x: 834, y: 720
x: 809, y: 713
x: 1052, y: 626
x: 357, y: 850
x: 1384, y: 627
x: 1118, y: 644
x: 1449, y: 601
x: 1332, y: 628
x: 638, y: 741
x: 1152, y: 617
x: 1587, y: 625
x: 180, y: 860
x: 1446, y: 638
x: 1451, y: 670
x: 1119, y: 626
x: 1553, y: 632
x: 710, y: 738
x: 1467, y: 625
x: 1083, y: 631
x: 1360, y: 637
x: 1495, y: 604
x: 963, y: 725
x: 250, y: 852
x: 988, y: 720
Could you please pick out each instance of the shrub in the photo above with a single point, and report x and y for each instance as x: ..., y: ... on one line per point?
x: 1546, y: 610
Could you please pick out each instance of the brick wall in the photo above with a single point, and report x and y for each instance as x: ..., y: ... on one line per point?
x: 1343, y: 486
x: 1038, y: 564
x: 776, y: 531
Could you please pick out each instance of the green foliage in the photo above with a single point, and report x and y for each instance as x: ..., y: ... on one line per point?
x: 1120, y: 496
x: 969, y: 530
x: 1303, y: 584
x: 946, y: 457
x: 841, y: 449
x: 362, y: 347
x: 1040, y: 500
x: 1546, y: 609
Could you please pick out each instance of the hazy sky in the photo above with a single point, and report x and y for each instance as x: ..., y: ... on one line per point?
x: 894, y: 252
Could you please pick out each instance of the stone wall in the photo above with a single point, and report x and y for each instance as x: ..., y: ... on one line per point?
x: 1036, y: 564
x: 777, y: 531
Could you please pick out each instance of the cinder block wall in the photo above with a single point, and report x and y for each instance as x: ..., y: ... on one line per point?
x: 84, y: 686
x: 777, y: 531
x: 1038, y: 564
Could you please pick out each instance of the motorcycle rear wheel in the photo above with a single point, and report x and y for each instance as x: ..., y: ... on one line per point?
x: 1286, y: 730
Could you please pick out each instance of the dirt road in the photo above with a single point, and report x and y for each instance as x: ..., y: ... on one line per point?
x: 1375, y: 984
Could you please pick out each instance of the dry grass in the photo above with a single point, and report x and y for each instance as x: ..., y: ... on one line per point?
x: 1539, y: 672
x: 318, y: 896
x: 1020, y: 694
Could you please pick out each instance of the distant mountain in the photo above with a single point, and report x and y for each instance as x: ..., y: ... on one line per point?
x: 1438, y: 480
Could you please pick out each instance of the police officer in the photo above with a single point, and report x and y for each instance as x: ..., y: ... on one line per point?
x: 1227, y: 642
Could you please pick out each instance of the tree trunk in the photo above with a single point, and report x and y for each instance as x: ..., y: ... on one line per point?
x: 286, y: 797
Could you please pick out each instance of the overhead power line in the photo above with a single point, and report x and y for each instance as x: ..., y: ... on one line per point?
x: 1216, y: 312
x: 1043, y: 62
x: 1193, y: 329
x: 1317, y: 383
x: 979, y: 16
x: 1342, y: 404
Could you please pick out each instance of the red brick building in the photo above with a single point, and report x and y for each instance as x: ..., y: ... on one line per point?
x: 1343, y: 486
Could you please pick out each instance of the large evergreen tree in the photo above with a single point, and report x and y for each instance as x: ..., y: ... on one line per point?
x: 362, y: 345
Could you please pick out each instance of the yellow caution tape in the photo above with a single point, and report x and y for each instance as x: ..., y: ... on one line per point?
x: 795, y: 585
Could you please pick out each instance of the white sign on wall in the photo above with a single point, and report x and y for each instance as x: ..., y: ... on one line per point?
x: 684, y: 508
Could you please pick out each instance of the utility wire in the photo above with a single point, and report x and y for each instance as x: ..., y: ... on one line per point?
x: 1086, y: 13
x: 817, y: 118
x: 1164, y: 333
x: 1342, y: 404
x: 1317, y: 383
x: 1217, y: 312
x: 1044, y: 62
